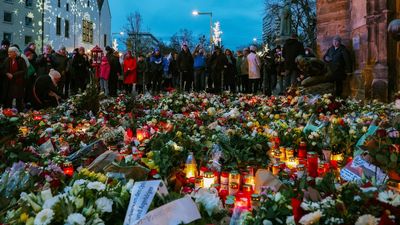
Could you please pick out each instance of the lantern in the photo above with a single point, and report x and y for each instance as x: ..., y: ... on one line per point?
x: 312, y: 164
x: 96, y: 55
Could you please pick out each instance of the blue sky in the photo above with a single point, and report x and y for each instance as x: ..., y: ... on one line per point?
x: 241, y: 20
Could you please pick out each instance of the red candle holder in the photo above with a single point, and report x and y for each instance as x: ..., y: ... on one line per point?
x: 68, y: 169
x: 302, y: 151
x: 312, y: 164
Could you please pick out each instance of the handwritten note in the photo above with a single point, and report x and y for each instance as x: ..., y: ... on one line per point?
x: 359, y: 168
x: 141, y: 198
x: 180, y: 211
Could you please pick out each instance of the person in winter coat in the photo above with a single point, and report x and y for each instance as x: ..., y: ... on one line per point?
x: 291, y: 49
x: 244, y: 71
x: 31, y: 50
x: 104, y: 75
x: 45, y: 61
x: 45, y: 90
x: 129, y: 66
x: 156, y: 70
x: 185, y: 65
x: 141, y: 73
x: 14, y: 70
x: 219, y: 64
x: 339, y: 63
x: 230, y: 72
x: 254, y: 70
x: 167, y: 76
x: 61, y: 61
x: 80, y: 66
x: 115, y: 70
x: 199, y: 70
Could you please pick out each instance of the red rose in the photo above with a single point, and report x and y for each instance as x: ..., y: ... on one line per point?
x: 381, y: 133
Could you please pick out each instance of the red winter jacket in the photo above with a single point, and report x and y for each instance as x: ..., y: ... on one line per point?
x: 104, y: 69
x: 129, y: 70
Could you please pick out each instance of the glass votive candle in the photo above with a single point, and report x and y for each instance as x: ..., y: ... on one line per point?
x: 234, y: 177
x: 208, y: 179
x: 300, y: 170
x: 233, y: 188
x: 275, y: 169
x: 289, y: 152
x: 312, y: 164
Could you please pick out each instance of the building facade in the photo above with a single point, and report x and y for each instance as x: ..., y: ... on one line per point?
x: 69, y: 23
x: 363, y: 26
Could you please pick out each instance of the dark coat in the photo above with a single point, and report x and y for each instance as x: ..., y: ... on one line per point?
x: 43, y: 86
x: 141, y: 70
x: 60, y: 62
x: 185, y: 61
x: 44, y: 64
x: 14, y: 88
x: 291, y: 50
x: 339, y: 61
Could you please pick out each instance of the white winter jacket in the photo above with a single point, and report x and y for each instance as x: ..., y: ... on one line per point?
x: 254, y: 66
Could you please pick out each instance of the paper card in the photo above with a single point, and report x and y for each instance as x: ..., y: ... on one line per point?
x: 46, y: 148
x: 313, y: 125
x: 265, y: 180
x: 180, y: 211
x: 142, y: 195
x: 359, y: 168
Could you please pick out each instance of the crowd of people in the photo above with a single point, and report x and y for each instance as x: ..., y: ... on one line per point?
x: 30, y: 80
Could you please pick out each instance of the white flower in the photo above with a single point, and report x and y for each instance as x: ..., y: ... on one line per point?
x: 46, y: 194
x: 367, y: 219
x: 357, y: 198
x: 311, y: 218
x: 278, y: 196
x: 76, y: 219
x: 310, y: 206
x: 267, y: 222
x: 389, y: 197
x: 49, y: 203
x: 80, y: 182
x: 104, y: 204
x: 96, y: 186
x: 44, y: 217
x: 209, y: 199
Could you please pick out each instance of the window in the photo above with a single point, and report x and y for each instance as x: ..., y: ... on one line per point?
x: 87, y: 31
x: 88, y: 3
x: 7, y: 17
x: 67, y: 7
x: 105, y: 40
x: 7, y: 36
x: 66, y: 29
x: 28, y: 21
x: 59, y: 3
x: 58, y: 26
x: 28, y: 39
x: 28, y: 3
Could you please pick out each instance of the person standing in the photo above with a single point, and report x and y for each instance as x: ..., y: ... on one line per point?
x: 156, y: 71
x: 244, y: 71
x: 199, y: 69
x: 254, y: 70
x: 185, y: 64
x: 129, y: 66
x: 230, y: 72
x: 45, y: 61
x: 61, y: 62
x: 141, y: 73
x: 15, y: 70
x: 5, y: 44
x: 31, y: 50
x: 104, y: 75
x: 339, y: 63
x: 291, y: 50
x: 115, y: 70
x: 80, y: 67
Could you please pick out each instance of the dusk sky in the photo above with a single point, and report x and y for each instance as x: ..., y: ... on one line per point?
x: 240, y: 20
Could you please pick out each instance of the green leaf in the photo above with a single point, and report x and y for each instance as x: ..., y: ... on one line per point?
x: 381, y: 159
x: 393, y: 157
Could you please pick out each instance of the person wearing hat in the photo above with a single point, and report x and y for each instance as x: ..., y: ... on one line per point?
x: 45, y: 90
x: 339, y: 63
x: 15, y: 70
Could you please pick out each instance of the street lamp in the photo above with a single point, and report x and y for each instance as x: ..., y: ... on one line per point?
x: 197, y: 13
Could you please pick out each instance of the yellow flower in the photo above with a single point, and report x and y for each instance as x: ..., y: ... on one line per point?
x: 178, y: 134
x: 277, y: 116
x: 102, y: 178
x: 23, y: 217
x: 150, y: 154
x: 30, y: 221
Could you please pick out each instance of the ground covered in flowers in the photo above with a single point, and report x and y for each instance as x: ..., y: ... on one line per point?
x: 51, y: 173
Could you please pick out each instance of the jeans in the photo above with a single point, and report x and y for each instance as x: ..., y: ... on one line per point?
x: 104, y: 86
x: 291, y: 78
x: 199, y: 79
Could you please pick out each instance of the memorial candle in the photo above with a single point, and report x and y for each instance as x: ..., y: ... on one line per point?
x: 302, y: 152
x: 312, y: 164
x: 208, y: 179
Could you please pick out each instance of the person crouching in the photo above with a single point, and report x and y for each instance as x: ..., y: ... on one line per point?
x: 45, y: 90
